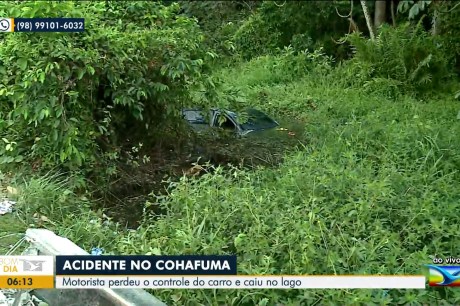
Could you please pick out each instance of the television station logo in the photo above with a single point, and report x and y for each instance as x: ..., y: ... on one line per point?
x: 13, y: 265
x: 26, y: 265
x: 32, y: 265
x: 448, y: 275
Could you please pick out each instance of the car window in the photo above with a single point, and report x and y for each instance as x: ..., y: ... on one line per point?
x: 258, y: 121
x: 227, y: 124
x: 194, y: 116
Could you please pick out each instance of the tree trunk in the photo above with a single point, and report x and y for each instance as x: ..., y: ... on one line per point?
x: 393, y: 18
x: 435, y: 27
x: 380, y: 12
x: 368, y: 19
x: 440, y: 7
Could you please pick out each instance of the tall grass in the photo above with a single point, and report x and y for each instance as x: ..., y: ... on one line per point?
x: 49, y: 201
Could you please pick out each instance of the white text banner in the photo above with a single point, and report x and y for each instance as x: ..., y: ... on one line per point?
x: 242, y: 282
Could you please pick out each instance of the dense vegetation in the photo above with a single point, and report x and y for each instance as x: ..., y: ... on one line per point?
x: 372, y: 189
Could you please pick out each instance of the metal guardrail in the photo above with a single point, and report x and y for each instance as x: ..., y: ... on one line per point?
x: 45, y: 242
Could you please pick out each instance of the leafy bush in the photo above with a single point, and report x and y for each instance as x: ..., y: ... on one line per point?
x: 304, y: 25
x: 408, y: 58
x: 287, y: 66
x: 450, y: 27
x: 219, y: 20
x: 256, y: 37
x: 269, y: 82
x: 66, y: 96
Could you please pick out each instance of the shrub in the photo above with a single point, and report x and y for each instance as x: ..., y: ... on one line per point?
x: 287, y: 66
x: 450, y: 27
x: 304, y: 25
x: 404, y: 57
x: 219, y: 21
x: 256, y: 37
x: 66, y: 96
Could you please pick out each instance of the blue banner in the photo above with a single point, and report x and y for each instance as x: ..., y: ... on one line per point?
x: 146, y: 265
x: 49, y: 25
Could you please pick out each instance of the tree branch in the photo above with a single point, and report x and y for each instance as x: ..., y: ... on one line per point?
x: 349, y: 14
x: 368, y: 19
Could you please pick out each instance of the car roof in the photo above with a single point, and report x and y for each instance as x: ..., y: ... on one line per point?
x: 258, y: 120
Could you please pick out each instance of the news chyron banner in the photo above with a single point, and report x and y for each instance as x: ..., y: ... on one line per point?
x: 200, y: 272
x: 177, y: 272
x: 139, y: 271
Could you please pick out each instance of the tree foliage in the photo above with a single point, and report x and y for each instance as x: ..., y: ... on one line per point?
x: 413, y: 8
x: 219, y: 20
x: 64, y: 94
x: 301, y: 24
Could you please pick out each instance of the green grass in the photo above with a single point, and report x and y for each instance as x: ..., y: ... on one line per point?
x: 12, y: 228
x: 11, y: 231
x: 374, y: 191
x: 49, y: 201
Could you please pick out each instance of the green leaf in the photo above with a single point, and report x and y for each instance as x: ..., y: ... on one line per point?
x: 403, y: 6
x: 6, y: 160
x: 48, y: 67
x: 34, y: 12
x: 59, y: 112
x: 239, y: 239
x: 41, y: 77
x: 22, y: 63
x: 55, y: 135
x: 415, y: 9
x: 62, y: 156
x: 19, y: 159
x: 155, y: 251
x: 91, y: 70
x: 80, y: 74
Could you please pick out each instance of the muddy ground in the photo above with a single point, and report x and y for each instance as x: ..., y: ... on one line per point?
x: 125, y: 196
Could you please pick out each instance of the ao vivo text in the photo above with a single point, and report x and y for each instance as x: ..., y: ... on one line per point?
x: 447, y: 260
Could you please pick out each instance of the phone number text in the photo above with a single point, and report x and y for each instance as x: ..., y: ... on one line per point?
x: 49, y: 24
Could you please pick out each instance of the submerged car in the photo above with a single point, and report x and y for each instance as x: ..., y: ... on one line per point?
x: 256, y: 120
